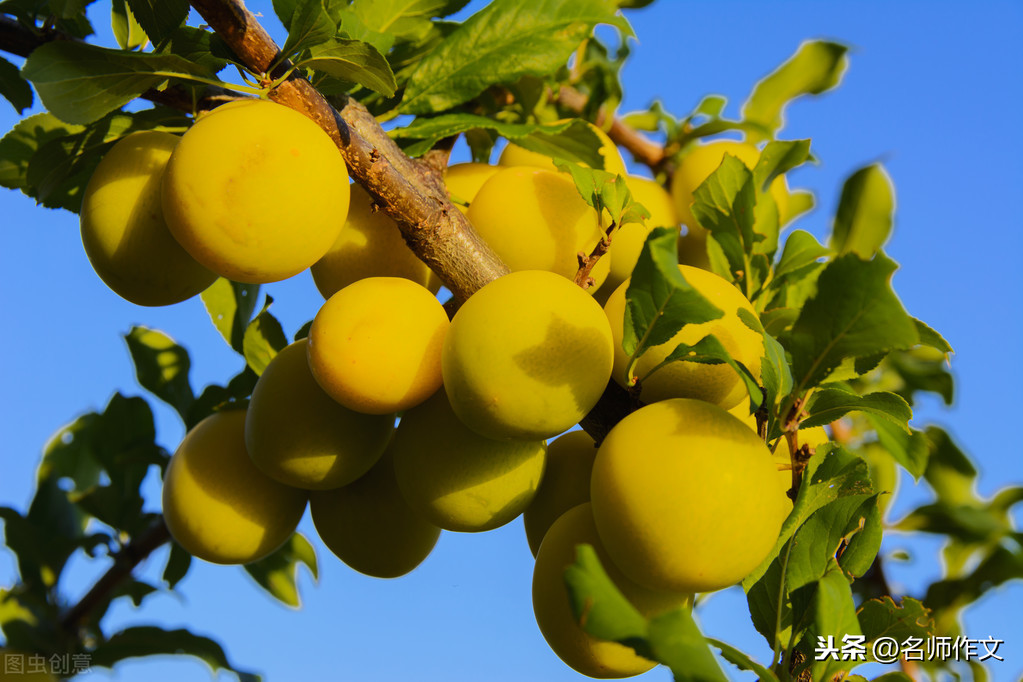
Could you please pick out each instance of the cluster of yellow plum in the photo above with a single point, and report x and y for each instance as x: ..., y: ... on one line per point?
x: 682, y: 496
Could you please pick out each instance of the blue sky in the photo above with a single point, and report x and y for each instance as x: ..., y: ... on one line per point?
x: 933, y: 91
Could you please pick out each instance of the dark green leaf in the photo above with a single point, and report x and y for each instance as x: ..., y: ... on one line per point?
x: 833, y: 613
x: 23, y: 141
x: 159, y: 18
x: 949, y: 472
x: 844, y: 521
x: 504, y: 41
x: 310, y: 25
x: 352, y: 60
x: 801, y: 250
x: 178, y: 563
x: 658, y: 300
x: 204, y: 48
x: 775, y: 374
x: 882, y: 618
x: 863, y: 222
x: 929, y: 337
x: 146, y: 640
x: 709, y: 350
x: 817, y: 66
x: 407, y: 20
x: 81, y: 83
x: 278, y: 572
x: 161, y: 367
x: 263, y: 339
x: 910, y: 449
x: 829, y: 404
x: 127, y: 31
x: 13, y: 87
x: 854, y: 314
x: 215, y: 398
x: 230, y: 306
x: 676, y: 641
x: 285, y: 10
x: 724, y: 204
x: 597, y: 603
x: 998, y: 567
x: 742, y: 661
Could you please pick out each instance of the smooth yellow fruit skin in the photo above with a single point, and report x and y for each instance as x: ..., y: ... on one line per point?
x: 375, y: 346
x: 123, y: 229
x: 536, y: 220
x: 218, y: 506
x: 369, y: 526
x: 526, y: 357
x: 565, y: 484
x: 579, y: 650
x: 256, y: 191
x: 369, y: 245
x: 627, y: 241
x: 695, y: 167
x: 15, y: 667
x: 514, y: 155
x: 684, y: 497
x: 457, y: 479
x: 718, y: 384
x: 298, y: 435
x: 464, y: 180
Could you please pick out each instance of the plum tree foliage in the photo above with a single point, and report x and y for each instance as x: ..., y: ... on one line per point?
x: 176, y: 145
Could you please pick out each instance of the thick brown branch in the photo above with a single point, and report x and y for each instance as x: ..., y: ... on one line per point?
x: 17, y: 39
x: 643, y: 150
x: 125, y: 562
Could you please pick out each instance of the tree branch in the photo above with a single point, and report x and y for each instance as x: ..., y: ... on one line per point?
x: 643, y: 150
x: 125, y: 562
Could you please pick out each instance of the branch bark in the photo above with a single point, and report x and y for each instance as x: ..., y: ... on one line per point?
x: 643, y: 150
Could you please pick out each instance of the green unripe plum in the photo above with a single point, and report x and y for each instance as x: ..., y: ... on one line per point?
x: 526, y: 357
x: 369, y: 245
x: 718, y: 384
x: 369, y: 526
x: 695, y: 167
x: 218, y: 506
x: 123, y: 229
x: 255, y: 191
x: 375, y: 345
x: 464, y: 180
x: 684, y: 497
x: 565, y: 484
x: 514, y: 155
x: 535, y: 219
x: 457, y: 479
x: 579, y: 650
x: 299, y: 435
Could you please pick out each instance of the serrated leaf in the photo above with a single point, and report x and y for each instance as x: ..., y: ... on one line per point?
x: 850, y: 519
x: 148, y: 640
x: 22, y: 142
x: 742, y: 660
x: 817, y: 66
x: 159, y: 18
x: 264, y: 338
x: 883, y: 618
x: 161, y: 367
x: 81, y: 83
x: 864, y: 219
x: 854, y: 313
x: 14, y: 88
x: 230, y: 306
x: 931, y: 338
x: 833, y: 612
x: 407, y: 20
x: 603, y: 191
x: 352, y: 60
x: 724, y: 204
x: 830, y: 404
x: 658, y: 300
x: 126, y: 28
x: 506, y: 40
x: 204, y: 48
x: 709, y: 350
x: 278, y: 572
x: 310, y: 25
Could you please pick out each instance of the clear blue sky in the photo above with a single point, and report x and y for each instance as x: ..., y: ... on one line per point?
x: 934, y: 91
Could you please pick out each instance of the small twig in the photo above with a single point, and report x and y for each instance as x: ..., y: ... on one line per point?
x: 125, y: 562
x: 643, y: 150
x: 587, y: 263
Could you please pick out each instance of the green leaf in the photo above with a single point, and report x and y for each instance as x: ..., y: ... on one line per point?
x: 817, y: 66
x: 931, y: 338
x: 161, y: 367
x: 176, y: 568
x: 997, y: 568
x: 506, y: 40
x: 204, y: 48
x: 854, y: 314
x: 159, y: 18
x: 278, y: 572
x: 215, y: 397
x: 230, y: 306
x: 778, y: 157
x: 865, y: 214
x: 833, y: 612
x: 775, y: 374
x: 407, y: 20
x: 147, y: 640
x: 127, y: 31
x: 909, y: 448
x: 676, y: 641
x: 709, y: 350
x: 599, y: 607
x: 14, y: 88
x: 845, y: 521
x: 20, y: 144
x: 724, y: 204
x: 882, y: 618
x: 801, y: 251
x: 742, y: 661
x: 352, y: 60
x: 659, y: 301
x: 829, y: 404
x: 263, y: 339
x: 310, y: 25
x: 603, y: 191
x: 81, y: 83
x: 949, y: 472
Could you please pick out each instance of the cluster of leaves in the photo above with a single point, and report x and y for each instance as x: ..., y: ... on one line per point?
x: 839, y: 344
